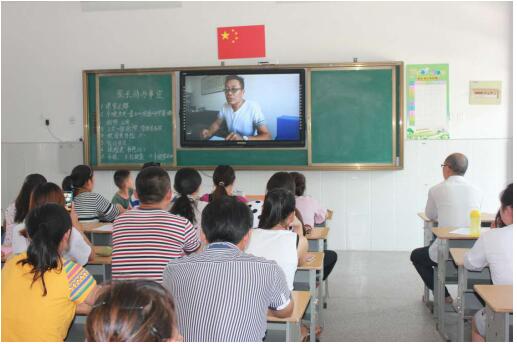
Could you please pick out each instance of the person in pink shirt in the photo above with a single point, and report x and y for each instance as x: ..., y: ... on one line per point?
x: 312, y: 212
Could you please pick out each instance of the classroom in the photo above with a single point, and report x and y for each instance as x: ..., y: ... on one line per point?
x: 65, y: 63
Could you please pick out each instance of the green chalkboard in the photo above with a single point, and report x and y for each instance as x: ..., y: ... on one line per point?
x: 355, y: 121
x: 135, y: 119
x: 353, y: 117
x: 255, y: 157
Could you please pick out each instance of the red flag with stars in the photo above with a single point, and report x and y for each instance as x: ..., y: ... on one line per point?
x: 237, y: 42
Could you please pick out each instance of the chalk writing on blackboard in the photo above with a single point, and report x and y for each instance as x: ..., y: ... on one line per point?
x: 135, y: 119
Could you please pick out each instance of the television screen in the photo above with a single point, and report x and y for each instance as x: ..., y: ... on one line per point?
x: 242, y: 108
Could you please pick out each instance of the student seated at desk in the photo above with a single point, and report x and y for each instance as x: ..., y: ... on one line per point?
x: 312, y: 213
x: 449, y: 203
x: 41, y: 291
x: 224, y: 179
x: 283, y: 180
x: 146, y: 238
x: 280, y: 234
x: 495, y: 249
x: 124, y: 183
x: 310, y: 209
x: 186, y: 183
x: 91, y: 206
x: 16, y: 211
x: 80, y: 249
x: 133, y: 311
x: 222, y: 293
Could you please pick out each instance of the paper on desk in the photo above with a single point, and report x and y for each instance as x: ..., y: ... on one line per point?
x: 106, y: 228
x: 466, y: 231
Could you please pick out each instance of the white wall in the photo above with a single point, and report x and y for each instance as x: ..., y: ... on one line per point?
x: 45, y: 46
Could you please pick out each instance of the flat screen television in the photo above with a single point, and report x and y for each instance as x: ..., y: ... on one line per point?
x: 242, y: 108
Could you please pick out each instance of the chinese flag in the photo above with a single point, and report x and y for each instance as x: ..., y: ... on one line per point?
x: 237, y: 42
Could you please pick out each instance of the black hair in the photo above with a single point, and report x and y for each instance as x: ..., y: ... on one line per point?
x: 278, y: 205
x: 223, y: 176
x: 132, y: 311
x: 458, y: 163
x: 507, y: 196
x: 66, y: 184
x: 46, y: 226
x: 186, y: 181
x: 21, y: 203
x: 152, y: 184
x: 226, y: 220
x: 150, y: 164
x: 120, y: 177
x: 299, y: 182
x: 235, y: 77
x: 281, y: 180
x: 80, y: 175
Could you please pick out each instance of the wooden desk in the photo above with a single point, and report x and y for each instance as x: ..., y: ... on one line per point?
x: 100, y: 266
x: 96, y: 236
x: 446, y: 239
x: 499, y: 301
x: 486, y: 218
x: 318, y: 243
x: 319, y: 235
x: 307, y: 275
x: 291, y: 325
x: 466, y: 299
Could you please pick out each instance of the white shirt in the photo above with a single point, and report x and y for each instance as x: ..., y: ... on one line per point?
x: 78, y: 250
x: 495, y: 249
x: 450, y: 203
x: 244, y: 121
x: 277, y: 245
x: 198, y: 211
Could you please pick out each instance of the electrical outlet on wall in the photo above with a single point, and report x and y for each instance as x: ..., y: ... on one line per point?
x: 71, y: 120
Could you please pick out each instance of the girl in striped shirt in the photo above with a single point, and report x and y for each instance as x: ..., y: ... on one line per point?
x: 91, y: 206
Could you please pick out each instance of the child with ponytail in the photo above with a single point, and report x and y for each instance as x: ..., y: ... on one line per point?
x: 186, y: 183
x: 224, y: 178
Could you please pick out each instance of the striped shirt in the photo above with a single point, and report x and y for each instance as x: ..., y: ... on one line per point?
x: 223, y: 294
x: 91, y: 206
x: 145, y: 240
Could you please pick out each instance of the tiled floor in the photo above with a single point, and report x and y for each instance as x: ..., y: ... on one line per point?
x: 376, y: 296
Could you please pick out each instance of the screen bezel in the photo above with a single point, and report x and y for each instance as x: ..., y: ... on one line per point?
x: 242, y: 144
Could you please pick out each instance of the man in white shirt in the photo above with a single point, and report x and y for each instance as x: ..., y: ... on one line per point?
x: 244, y: 118
x: 449, y: 203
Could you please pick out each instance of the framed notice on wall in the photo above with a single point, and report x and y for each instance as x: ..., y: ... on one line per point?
x: 427, y: 101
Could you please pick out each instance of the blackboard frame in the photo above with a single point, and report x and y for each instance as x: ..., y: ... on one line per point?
x: 398, y: 134
x: 393, y: 118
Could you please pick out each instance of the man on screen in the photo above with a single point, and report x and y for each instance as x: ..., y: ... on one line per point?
x: 244, y: 118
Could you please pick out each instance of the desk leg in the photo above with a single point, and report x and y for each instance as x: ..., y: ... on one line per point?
x: 320, y: 301
x: 439, y: 290
x: 462, y: 287
x: 312, y: 287
x: 428, y: 237
x: 293, y: 332
x: 498, y: 326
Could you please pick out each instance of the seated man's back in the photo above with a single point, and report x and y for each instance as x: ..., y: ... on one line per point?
x: 451, y: 201
x: 223, y: 294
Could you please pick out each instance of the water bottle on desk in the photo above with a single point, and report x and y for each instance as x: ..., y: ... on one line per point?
x: 475, y: 223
